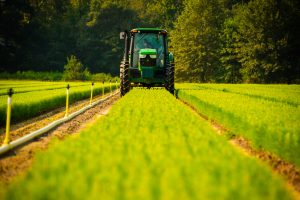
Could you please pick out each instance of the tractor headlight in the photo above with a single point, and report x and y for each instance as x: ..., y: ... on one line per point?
x: 142, y: 56
x: 153, y: 56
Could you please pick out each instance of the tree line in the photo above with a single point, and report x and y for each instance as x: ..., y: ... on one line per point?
x: 213, y: 40
x: 253, y: 41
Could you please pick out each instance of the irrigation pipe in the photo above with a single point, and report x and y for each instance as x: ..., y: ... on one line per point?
x: 34, y: 134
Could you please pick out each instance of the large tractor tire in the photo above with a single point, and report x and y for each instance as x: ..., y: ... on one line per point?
x: 121, y: 77
x: 170, y: 77
x: 124, y: 78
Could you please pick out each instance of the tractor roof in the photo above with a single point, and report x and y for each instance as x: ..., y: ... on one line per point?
x: 147, y: 52
x: 155, y: 30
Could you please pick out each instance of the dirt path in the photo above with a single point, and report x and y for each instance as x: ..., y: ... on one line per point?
x: 17, y: 162
x: 287, y: 170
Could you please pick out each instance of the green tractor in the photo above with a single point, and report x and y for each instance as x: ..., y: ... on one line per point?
x: 147, y: 61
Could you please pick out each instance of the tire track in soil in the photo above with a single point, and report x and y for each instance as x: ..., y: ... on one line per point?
x: 288, y: 171
x: 18, y: 161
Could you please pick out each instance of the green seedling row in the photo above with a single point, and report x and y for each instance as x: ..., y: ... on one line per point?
x: 40, y: 87
x: 289, y: 94
x: 5, y: 84
x: 270, y: 125
x: 30, y: 104
x: 150, y: 146
x: 18, y: 82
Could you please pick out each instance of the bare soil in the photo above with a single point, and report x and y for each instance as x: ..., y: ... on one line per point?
x: 285, y: 169
x: 19, y: 160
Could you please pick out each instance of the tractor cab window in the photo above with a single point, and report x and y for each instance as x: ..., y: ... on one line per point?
x: 148, y: 41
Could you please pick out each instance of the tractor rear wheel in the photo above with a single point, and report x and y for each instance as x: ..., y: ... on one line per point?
x: 170, y: 77
x: 124, y: 78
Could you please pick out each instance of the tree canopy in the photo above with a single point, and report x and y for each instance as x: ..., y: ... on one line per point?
x: 212, y: 40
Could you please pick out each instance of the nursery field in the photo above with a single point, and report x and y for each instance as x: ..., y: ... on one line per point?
x: 267, y: 115
x: 32, y: 98
x: 151, y: 146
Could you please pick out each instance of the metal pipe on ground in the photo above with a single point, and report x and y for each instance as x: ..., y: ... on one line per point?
x: 30, y: 136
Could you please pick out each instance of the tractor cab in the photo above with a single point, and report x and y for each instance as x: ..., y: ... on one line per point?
x: 146, y: 61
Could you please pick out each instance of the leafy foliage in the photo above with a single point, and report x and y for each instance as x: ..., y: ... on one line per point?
x: 228, y: 56
x: 196, y: 42
x: 74, y: 70
x: 236, y: 41
x: 259, y: 40
x: 213, y: 41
